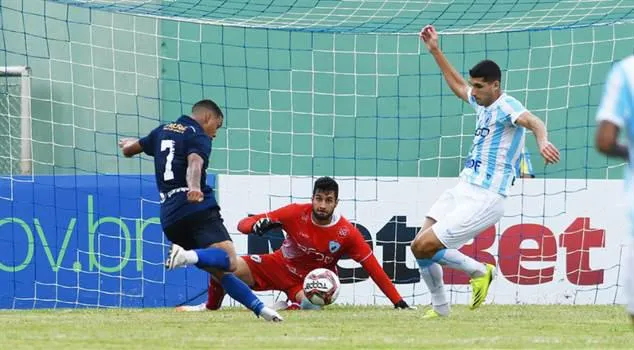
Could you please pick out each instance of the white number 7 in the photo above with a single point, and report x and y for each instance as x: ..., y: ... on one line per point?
x: 168, y: 144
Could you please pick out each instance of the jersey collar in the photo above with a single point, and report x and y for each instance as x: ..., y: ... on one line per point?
x: 333, y: 221
x: 185, y: 119
x: 496, y: 102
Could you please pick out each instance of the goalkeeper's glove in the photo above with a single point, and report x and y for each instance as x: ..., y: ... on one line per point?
x: 307, y: 305
x: 401, y: 304
x: 265, y: 225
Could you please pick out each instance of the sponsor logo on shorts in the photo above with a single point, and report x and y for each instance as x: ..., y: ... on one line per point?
x: 256, y: 258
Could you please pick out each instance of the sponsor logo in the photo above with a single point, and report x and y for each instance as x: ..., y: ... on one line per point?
x: 482, y: 132
x: 176, y: 127
x: 472, y: 163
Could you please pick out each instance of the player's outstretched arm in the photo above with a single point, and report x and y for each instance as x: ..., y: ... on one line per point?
x: 262, y: 223
x: 194, y: 173
x: 455, y: 81
x: 359, y: 251
x: 246, y: 225
x: 258, y: 224
x: 549, y: 152
x: 130, y: 146
x: 371, y: 265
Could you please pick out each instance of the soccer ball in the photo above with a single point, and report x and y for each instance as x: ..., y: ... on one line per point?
x: 321, y: 287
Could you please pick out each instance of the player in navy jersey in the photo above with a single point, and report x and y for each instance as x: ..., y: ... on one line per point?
x: 190, y: 215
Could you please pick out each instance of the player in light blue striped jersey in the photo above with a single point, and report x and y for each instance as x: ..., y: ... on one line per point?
x: 616, y: 113
x: 477, y: 202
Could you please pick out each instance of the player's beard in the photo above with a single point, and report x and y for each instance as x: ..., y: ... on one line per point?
x: 322, y: 215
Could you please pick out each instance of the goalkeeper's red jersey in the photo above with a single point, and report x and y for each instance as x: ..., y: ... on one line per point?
x: 309, y: 246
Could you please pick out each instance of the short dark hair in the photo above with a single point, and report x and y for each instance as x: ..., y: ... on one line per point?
x: 208, y: 105
x: 486, y: 69
x: 326, y: 184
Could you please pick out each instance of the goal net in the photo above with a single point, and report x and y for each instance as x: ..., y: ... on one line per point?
x: 309, y: 88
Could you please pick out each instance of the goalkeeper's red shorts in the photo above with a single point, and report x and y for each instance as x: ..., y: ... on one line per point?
x: 270, y: 272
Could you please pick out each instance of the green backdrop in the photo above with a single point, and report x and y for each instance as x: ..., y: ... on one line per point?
x: 296, y: 102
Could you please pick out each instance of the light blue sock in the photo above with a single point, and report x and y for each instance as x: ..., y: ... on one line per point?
x: 431, y: 274
x: 424, y: 263
x: 456, y: 260
x: 239, y: 291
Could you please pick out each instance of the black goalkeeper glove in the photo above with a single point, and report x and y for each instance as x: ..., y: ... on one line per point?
x: 265, y: 225
x: 401, y: 304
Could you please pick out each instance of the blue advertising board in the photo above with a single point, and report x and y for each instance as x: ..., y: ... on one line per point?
x: 87, y: 240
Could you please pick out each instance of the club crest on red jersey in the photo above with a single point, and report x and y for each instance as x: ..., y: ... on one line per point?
x: 333, y: 246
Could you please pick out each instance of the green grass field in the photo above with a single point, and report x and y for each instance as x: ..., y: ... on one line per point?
x: 492, y: 326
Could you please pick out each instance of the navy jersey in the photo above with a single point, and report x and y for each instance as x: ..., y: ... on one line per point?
x: 170, y: 144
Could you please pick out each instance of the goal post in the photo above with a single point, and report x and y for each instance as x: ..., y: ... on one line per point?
x: 16, y: 89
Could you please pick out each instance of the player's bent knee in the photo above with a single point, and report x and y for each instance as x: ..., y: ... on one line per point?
x: 415, y: 246
x: 425, y: 246
x: 420, y: 248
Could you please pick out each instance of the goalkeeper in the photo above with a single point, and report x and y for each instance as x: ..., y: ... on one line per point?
x: 316, y: 238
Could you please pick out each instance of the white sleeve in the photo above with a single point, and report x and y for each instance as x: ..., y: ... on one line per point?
x: 471, y: 99
x: 616, y: 104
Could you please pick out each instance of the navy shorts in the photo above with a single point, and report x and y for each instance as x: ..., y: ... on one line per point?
x: 198, y: 230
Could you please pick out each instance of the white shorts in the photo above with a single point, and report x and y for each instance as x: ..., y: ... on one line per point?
x: 464, y: 211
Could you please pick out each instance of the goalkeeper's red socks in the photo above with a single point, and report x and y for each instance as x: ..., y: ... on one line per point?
x: 215, y: 294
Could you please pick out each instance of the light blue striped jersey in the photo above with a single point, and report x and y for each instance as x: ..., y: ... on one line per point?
x: 497, y: 144
x: 617, y: 104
